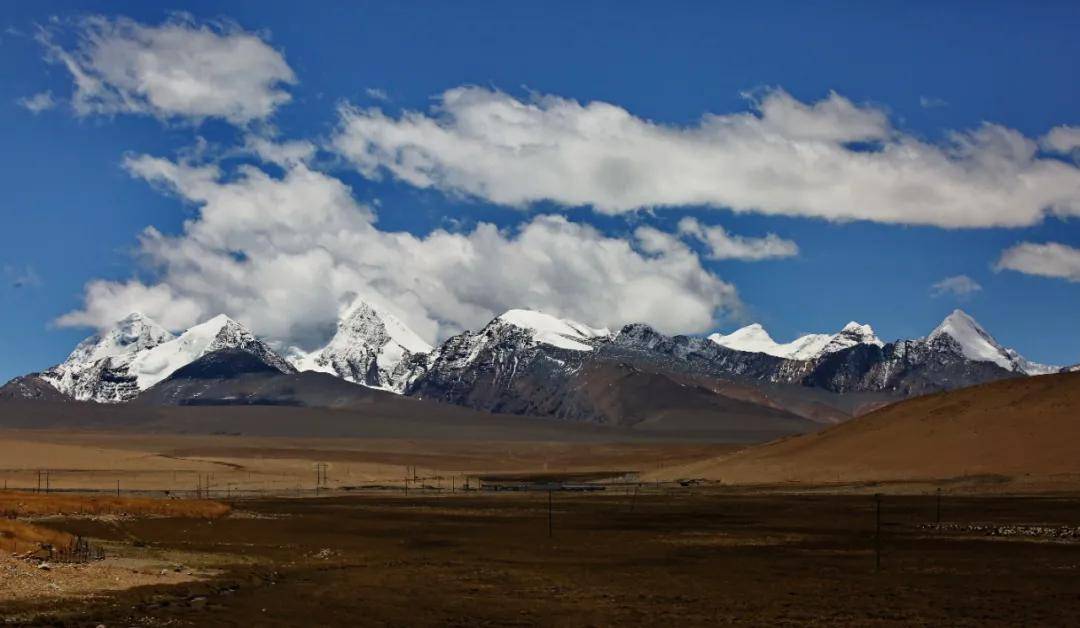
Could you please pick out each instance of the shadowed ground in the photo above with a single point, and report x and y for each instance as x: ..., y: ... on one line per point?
x: 676, y: 558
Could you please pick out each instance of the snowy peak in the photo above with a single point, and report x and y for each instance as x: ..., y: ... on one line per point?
x: 220, y: 332
x: 976, y: 344
x: 549, y: 330
x: 754, y: 339
x: 137, y: 353
x: 89, y: 373
x: 369, y: 347
x: 132, y: 334
x: 851, y: 335
x: 364, y: 320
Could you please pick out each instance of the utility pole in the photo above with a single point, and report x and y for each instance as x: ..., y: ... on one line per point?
x: 549, y: 513
x: 877, y: 532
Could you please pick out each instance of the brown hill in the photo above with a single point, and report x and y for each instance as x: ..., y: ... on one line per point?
x: 1019, y: 428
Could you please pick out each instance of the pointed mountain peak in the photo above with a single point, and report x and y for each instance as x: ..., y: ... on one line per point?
x: 974, y: 342
x: 216, y: 323
x: 977, y: 344
x: 363, y: 321
x: 134, y: 317
x: 960, y: 326
x: 957, y: 321
x: 135, y: 332
x: 371, y: 347
x: 851, y: 335
x: 861, y: 333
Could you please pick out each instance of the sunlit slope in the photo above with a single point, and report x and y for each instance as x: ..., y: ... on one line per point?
x: 1012, y: 427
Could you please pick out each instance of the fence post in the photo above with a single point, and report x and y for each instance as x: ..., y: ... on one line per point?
x: 549, y: 513
x: 937, y: 517
x: 877, y: 532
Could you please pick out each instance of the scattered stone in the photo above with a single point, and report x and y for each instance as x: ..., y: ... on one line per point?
x: 1007, y: 530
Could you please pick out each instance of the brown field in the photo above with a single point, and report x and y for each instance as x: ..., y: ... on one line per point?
x: 232, y: 465
x: 676, y: 557
x: 23, y: 504
x: 781, y: 534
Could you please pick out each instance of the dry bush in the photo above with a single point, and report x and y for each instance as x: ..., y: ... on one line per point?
x: 16, y: 536
x: 19, y: 504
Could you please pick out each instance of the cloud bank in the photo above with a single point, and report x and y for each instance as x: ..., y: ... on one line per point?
x: 831, y: 159
x: 178, y: 69
x: 1051, y: 259
x: 286, y: 254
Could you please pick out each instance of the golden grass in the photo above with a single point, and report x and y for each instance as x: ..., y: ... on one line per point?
x: 17, y: 536
x: 20, y: 504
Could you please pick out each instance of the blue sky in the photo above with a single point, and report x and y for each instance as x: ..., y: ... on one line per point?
x: 72, y: 211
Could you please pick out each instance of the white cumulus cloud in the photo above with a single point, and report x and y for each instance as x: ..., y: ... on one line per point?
x: 830, y: 159
x: 285, y: 254
x: 960, y: 286
x: 723, y: 245
x: 1062, y: 139
x: 1050, y: 259
x: 177, y: 69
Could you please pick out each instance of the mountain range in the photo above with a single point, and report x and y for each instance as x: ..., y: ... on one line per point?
x: 530, y: 363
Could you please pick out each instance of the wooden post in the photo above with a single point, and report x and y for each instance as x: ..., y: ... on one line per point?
x: 549, y: 513
x: 633, y: 500
x: 877, y: 532
x: 937, y: 516
x: 118, y: 488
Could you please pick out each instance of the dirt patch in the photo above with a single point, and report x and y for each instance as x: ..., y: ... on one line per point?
x: 31, y: 580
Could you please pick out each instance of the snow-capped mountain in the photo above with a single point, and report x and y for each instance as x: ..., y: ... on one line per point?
x: 978, y: 345
x: 370, y: 347
x: 96, y: 369
x: 754, y: 339
x: 557, y: 332
x: 501, y: 367
x: 527, y: 362
x: 510, y: 340
x: 137, y: 353
x: 531, y: 363
x: 220, y: 332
